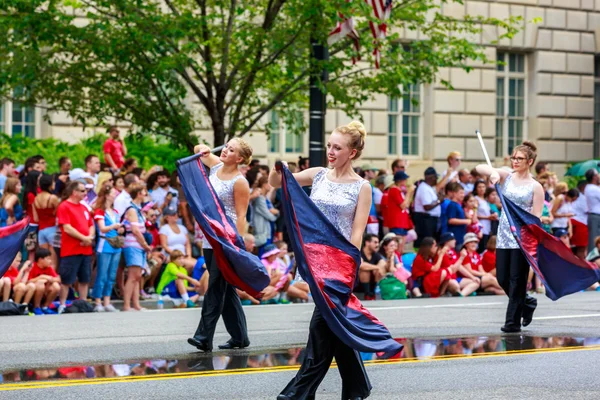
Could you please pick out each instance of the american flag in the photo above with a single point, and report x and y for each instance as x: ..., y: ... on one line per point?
x: 382, y: 9
x: 345, y: 28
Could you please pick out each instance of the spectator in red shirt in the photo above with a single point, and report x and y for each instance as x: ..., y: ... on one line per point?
x: 46, y: 280
x: 489, y: 283
x: 22, y: 290
x: 398, y: 201
x: 77, y: 234
x: 114, y: 150
x: 17, y: 279
x: 488, y: 258
x: 435, y: 280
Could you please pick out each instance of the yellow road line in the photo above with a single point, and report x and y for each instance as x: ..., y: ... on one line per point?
x: 247, y: 371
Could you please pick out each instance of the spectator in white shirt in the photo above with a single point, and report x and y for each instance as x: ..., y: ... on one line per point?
x: 123, y: 200
x: 164, y: 195
x: 427, y: 207
x: 592, y: 195
x: 92, y: 167
x: 579, y: 221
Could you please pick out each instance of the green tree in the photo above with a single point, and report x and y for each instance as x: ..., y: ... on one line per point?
x: 172, y: 66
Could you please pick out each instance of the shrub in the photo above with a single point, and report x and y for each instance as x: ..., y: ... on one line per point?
x: 145, y: 149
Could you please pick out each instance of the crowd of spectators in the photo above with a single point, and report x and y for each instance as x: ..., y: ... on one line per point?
x: 111, y: 230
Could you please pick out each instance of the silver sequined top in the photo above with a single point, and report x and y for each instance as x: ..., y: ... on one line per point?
x: 522, y: 196
x: 224, y: 190
x: 336, y: 200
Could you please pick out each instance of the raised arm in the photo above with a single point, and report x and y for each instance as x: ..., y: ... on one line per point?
x: 241, y: 194
x: 304, y: 178
x: 496, y: 174
x: 207, y: 158
x: 362, y: 215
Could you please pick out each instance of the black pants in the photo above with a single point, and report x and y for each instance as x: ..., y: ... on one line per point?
x: 322, y: 346
x: 512, y: 270
x: 425, y: 226
x: 220, y: 299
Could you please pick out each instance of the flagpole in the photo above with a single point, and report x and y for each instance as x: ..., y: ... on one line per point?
x: 485, y: 153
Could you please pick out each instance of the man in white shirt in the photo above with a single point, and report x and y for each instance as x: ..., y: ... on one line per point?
x: 164, y: 195
x: 369, y: 173
x: 92, y: 167
x: 465, y: 180
x: 123, y: 200
x: 7, y: 169
x: 427, y: 207
x: 592, y: 196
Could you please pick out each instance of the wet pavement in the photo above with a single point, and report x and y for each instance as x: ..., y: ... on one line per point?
x: 414, y: 349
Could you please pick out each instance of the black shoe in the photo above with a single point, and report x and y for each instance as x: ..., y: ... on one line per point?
x: 528, y: 315
x: 283, y: 397
x: 199, y: 345
x: 510, y: 329
x: 233, y: 345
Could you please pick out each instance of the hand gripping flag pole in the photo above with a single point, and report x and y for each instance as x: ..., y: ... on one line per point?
x: 560, y: 271
x: 329, y: 263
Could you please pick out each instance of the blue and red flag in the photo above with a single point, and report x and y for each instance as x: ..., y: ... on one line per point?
x: 11, y: 242
x: 239, y: 267
x: 329, y: 263
x: 558, y: 268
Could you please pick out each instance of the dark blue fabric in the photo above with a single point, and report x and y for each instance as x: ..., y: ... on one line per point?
x: 557, y: 267
x: 239, y: 267
x: 11, y: 240
x: 455, y: 210
x: 329, y: 264
x: 444, y: 217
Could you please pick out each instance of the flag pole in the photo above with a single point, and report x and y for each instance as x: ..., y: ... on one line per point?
x: 485, y: 153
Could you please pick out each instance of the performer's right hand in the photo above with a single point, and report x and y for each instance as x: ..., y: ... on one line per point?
x: 494, y: 177
x: 202, y: 149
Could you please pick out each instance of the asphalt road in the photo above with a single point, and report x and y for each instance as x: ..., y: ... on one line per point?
x: 51, y: 341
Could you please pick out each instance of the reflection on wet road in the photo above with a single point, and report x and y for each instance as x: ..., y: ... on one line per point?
x: 415, y: 349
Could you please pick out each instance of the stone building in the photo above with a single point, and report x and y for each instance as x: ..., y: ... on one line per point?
x: 548, y: 91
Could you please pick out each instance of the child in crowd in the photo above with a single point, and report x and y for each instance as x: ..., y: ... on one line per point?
x: 488, y: 258
x: 470, y: 205
x: 452, y: 262
x: 489, y: 283
x: 275, y: 268
x: 389, y: 249
x: 435, y: 280
x: 298, y: 288
x: 46, y: 280
x: 17, y: 280
x: 175, y: 279
x: 491, y: 196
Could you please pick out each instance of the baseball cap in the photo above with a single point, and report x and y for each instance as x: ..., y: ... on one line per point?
x: 560, y: 232
x: 400, y: 176
x: 446, y: 237
x: 170, y: 211
x: 431, y: 171
x: 77, y: 174
x: 368, y: 167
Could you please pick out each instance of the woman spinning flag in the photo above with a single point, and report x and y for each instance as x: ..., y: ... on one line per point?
x: 326, y: 232
x: 523, y: 243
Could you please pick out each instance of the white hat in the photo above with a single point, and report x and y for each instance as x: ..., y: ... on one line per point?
x: 78, y: 174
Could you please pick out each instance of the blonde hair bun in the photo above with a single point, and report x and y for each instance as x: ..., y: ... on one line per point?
x: 359, y: 127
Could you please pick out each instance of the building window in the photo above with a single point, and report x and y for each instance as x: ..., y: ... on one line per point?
x: 274, y: 134
x: 404, y: 122
x: 294, y: 142
x: 23, y: 117
x: 510, y: 102
x: 597, y: 108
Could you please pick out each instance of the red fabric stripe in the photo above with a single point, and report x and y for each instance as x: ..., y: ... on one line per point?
x: 11, y: 230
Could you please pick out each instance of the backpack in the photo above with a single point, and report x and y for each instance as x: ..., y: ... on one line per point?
x: 79, y: 306
x: 392, y: 289
x: 10, y: 308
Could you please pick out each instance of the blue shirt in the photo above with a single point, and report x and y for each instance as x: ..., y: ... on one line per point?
x: 444, y: 217
x: 455, y: 210
x: 2, y: 182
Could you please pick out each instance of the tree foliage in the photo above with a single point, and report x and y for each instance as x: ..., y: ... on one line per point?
x: 173, y: 66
